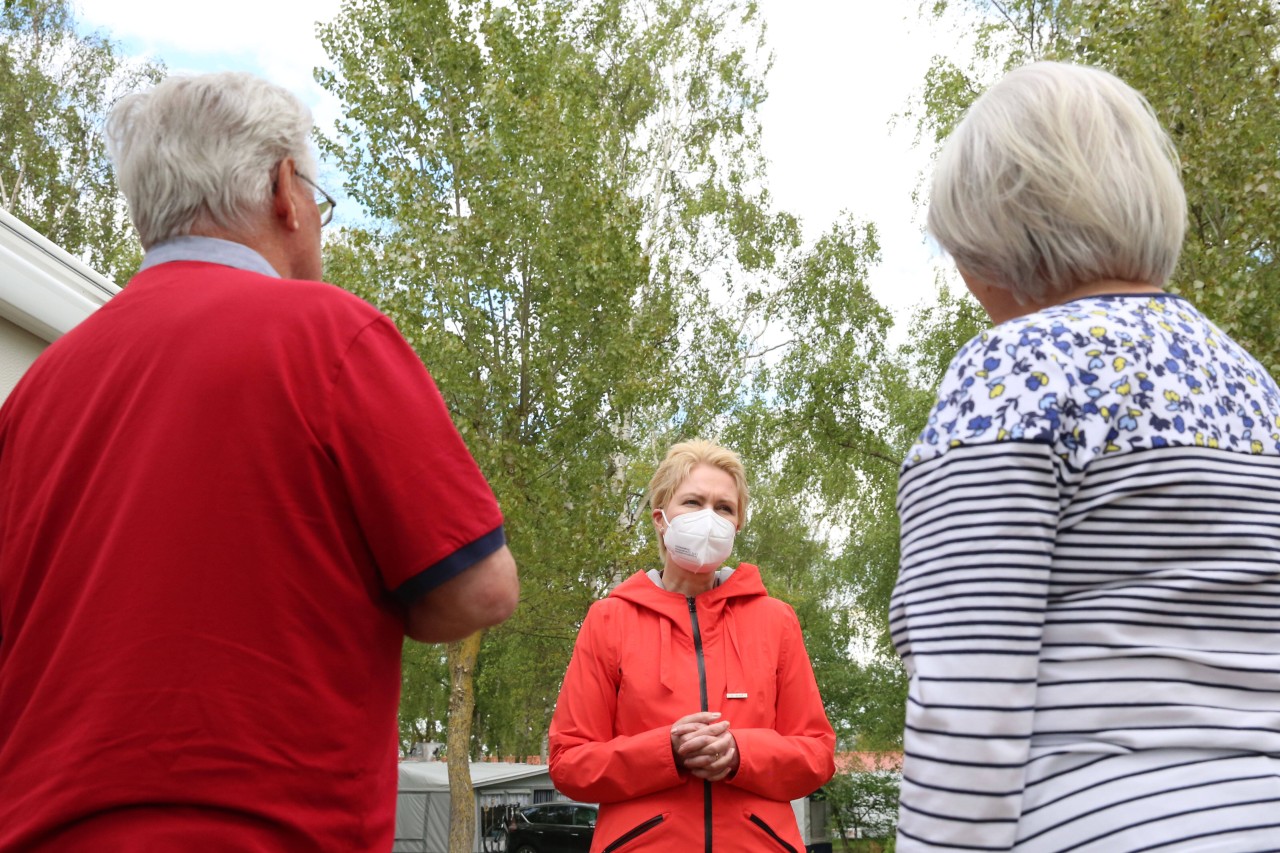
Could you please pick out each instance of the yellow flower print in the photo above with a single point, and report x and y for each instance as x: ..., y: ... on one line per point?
x: 1172, y: 396
x: 1119, y: 363
x: 1199, y: 439
x: 997, y: 390
x: 1097, y: 332
x: 1255, y: 446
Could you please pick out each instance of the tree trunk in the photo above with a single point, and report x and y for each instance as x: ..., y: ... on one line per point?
x: 462, y: 705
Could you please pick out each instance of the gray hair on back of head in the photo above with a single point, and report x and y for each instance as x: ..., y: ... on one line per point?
x: 1059, y: 175
x: 201, y: 150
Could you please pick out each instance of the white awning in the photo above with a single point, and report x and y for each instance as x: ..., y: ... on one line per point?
x: 43, y: 288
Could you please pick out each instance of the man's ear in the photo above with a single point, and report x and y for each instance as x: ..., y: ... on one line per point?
x: 282, y: 200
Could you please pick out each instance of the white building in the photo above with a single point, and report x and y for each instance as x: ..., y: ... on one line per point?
x: 44, y: 292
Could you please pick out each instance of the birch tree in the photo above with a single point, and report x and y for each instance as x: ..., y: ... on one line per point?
x: 560, y: 195
x: 56, y: 89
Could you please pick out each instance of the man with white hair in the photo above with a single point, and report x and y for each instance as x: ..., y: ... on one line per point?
x: 224, y: 500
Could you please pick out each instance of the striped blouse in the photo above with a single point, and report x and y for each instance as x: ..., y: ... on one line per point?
x: 1088, y: 605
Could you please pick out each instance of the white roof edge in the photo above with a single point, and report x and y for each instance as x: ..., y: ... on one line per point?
x: 43, y: 288
x: 430, y: 776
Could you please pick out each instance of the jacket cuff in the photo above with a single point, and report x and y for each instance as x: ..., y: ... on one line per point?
x: 662, y: 747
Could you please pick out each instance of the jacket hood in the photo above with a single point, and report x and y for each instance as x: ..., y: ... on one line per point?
x: 640, y: 589
x: 716, y: 609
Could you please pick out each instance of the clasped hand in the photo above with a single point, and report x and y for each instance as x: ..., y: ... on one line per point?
x: 704, y: 747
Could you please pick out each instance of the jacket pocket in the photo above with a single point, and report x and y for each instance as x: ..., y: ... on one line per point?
x: 768, y: 830
x: 634, y: 833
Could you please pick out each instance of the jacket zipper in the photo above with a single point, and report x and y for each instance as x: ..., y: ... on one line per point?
x: 760, y: 823
x: 702, y: 697
x: 633, y: 832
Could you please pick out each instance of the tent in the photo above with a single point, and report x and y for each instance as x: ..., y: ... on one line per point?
x: 44, y: 292
x: 422, y: 802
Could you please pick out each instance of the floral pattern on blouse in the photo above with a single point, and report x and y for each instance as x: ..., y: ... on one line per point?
x: 1104, y: 375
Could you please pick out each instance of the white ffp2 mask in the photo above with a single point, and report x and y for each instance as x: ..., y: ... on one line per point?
x: 699, y: 541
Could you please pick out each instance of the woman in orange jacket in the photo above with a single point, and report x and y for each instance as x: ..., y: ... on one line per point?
x: 690, y: 711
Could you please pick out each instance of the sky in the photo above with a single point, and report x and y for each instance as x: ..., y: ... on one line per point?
x: 843, y: 69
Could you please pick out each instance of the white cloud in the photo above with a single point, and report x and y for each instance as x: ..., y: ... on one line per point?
x: 842, y: 72
x: 272, y: 38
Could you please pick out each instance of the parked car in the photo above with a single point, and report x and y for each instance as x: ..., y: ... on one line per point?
x: 552, y: 828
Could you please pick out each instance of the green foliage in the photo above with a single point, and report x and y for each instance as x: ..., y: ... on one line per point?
x: 863, y: 804
x: 573, y: 229
x: 56, y: 89
x: 833, y: 412
x: 821, y: 453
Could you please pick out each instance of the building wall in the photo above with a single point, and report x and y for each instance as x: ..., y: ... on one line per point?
x: 18, y: 348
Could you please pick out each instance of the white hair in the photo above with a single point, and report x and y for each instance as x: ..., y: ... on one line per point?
x: 203, y: 150
x: 1058, y: 176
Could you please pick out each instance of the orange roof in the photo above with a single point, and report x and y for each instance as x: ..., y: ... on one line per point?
x: 861, y: 762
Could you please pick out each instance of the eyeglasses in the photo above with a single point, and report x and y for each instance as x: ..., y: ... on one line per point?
x: 324, y: 201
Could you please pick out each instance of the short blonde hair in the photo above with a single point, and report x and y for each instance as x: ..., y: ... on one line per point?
x: 681, y: 459
x: 1059, y: 175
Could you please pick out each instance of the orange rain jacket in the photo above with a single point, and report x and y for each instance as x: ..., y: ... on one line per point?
x: 645, y: 658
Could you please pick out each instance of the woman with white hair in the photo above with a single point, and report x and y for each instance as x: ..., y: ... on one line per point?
x: 1090, y: 574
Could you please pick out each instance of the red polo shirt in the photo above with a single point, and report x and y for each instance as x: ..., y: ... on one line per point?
x: 210, y: 493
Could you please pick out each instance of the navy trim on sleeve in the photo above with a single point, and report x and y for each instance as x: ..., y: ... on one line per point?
x: 451, y: 566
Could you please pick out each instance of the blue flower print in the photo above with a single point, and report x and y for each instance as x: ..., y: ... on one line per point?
x: 977, y: 426
x: 1104, y: 375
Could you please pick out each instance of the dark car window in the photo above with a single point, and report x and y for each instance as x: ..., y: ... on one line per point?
x: 538, y: 815
x: 584, y: 817
x: 559, y: 814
